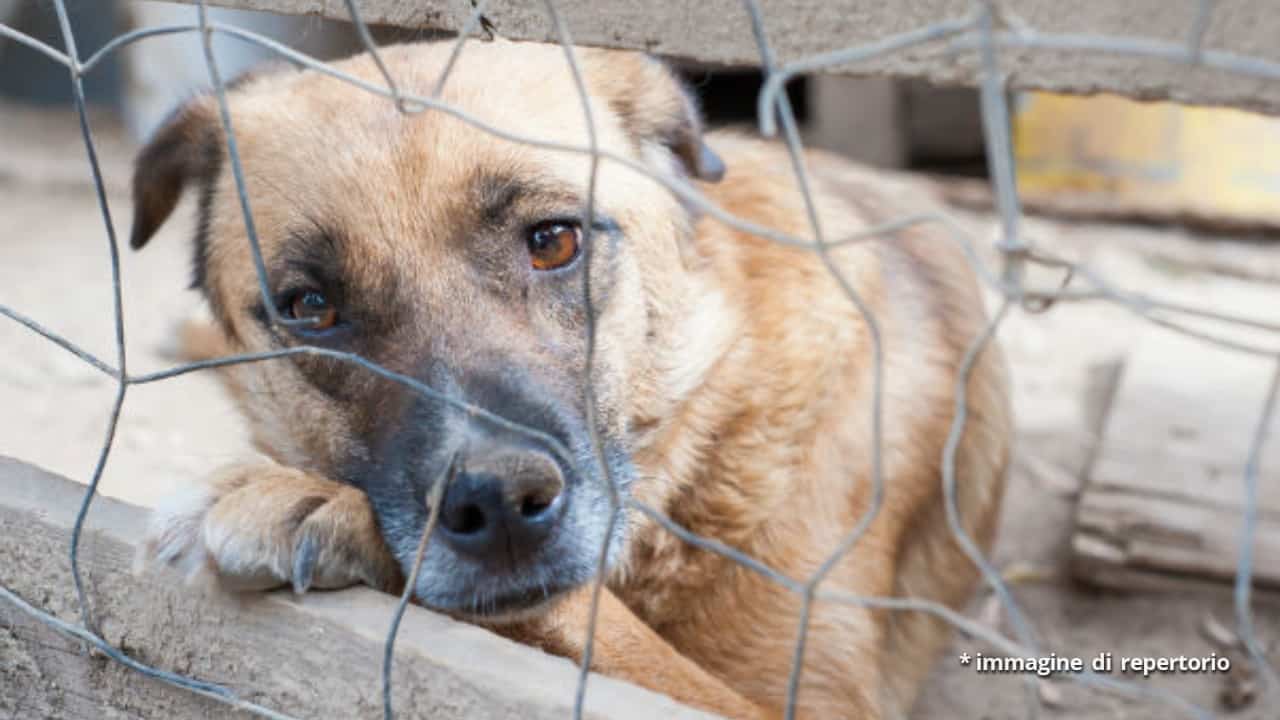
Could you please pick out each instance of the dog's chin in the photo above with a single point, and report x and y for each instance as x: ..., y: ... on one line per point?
x: 499, y: 608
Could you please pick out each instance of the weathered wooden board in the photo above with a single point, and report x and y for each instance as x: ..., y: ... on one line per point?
x: 315, y: 656
x: 1165, y: 499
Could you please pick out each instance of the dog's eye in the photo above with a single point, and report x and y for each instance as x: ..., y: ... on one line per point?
x: 313, y: 306
x: 553, y: 244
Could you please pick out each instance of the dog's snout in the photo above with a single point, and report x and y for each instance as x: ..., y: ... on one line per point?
x: 501, y: 506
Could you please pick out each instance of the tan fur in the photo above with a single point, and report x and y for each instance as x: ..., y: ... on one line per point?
x: 748, y: 399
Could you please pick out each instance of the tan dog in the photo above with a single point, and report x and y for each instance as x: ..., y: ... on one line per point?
x: 732, y: 385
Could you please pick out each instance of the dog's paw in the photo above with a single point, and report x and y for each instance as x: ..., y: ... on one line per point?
x: 258, y: 527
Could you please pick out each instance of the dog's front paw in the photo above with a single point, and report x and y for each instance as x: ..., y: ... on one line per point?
x: 257, y: 527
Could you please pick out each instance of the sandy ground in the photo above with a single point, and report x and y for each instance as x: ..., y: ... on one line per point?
x: 54, y: 268
x: 54, y: 408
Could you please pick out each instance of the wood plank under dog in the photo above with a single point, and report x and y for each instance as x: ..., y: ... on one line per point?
x: 317, y: 655
x: 1164, y: 504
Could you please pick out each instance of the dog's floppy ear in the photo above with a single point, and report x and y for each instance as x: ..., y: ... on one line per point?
x: 655, y: 107
x: 187, y: 148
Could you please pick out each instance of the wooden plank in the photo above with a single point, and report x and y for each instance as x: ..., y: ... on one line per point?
x: 1165, y: 498
x: 315, y: 656
x: 719, y: 32
x: 1101, y: 207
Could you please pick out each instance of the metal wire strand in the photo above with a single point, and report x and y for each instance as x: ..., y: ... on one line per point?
x: 117, y: 305
x: 1248, y: 536
x: 434, y: 501
x: 603, y: 468
x: 795, y: 151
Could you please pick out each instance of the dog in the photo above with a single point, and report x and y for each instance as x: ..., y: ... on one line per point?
x: 729, y: 385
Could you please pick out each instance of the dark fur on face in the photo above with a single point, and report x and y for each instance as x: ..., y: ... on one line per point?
x: 419, y: 246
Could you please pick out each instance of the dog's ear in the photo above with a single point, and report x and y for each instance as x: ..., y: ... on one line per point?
x: 187, y: 148
x: 655, y: 108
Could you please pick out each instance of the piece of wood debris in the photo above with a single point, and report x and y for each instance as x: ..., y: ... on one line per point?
x: 1239, y: 687
x: 1050, y: 694
x: 1049, y: 475
x: 1220, y: 635
x: 991, y: 612
x: 1020, y: 572
x: 1164, y: 504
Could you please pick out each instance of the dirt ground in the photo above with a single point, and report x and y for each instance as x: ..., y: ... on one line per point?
x: 54, y: 408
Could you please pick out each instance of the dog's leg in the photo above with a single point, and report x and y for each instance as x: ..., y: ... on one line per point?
x: 261, y: 526
x: 628, y: 649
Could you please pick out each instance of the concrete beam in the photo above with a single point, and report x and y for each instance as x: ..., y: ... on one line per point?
x: 718, y: 32
x: 314, y: 656
x: 861, y: 118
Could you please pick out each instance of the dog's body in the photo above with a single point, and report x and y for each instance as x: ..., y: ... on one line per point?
x: 733, y: 386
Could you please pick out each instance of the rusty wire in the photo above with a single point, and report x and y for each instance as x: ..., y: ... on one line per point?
x: 983, y: 31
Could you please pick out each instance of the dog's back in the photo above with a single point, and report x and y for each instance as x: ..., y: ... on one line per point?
x: 784, y: 424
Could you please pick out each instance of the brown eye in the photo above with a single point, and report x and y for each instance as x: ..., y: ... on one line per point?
x: 314, y: 307
x: 554, y: 244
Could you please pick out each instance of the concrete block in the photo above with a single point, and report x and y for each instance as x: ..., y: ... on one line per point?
x: 719, y: 32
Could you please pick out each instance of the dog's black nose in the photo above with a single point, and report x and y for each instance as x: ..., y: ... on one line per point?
x: 501, y: 507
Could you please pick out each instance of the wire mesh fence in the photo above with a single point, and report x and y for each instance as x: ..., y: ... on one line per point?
x: 985, y: 31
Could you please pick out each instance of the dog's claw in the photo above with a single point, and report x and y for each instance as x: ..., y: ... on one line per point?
x: 305, y: 554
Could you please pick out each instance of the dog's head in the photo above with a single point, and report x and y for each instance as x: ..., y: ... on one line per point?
x: 454, y: 259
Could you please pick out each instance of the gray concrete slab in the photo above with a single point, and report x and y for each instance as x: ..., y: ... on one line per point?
x: 718, y: 31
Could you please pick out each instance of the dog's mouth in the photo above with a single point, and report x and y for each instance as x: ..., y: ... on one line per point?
x: 502, y: 606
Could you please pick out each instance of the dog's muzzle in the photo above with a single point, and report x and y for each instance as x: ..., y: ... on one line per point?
x: 502, y: 504
x: 518, y: 520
